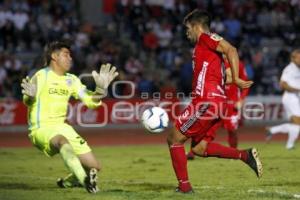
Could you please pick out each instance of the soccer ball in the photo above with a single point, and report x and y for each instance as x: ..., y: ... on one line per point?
x: 155, y: 119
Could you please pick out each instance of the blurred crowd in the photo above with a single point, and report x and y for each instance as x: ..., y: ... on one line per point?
x: 146, y: 40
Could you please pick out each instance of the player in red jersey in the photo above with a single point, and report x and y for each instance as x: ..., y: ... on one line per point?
x: 208, y: 102
x: 235, y: 100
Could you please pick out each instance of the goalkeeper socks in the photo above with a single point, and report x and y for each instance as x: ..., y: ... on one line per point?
x: 179, y: 162
x: 220, y: 151
x: 72, y: 162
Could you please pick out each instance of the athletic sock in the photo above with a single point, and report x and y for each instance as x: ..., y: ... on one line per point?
x: 293, y: 131
x: 282, y: 128
x: 72, y: 162
x: 232, y: 139
x: 220, y: 151
x: 179, y: 162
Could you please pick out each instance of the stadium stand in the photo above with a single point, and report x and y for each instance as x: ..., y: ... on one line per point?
x: 145, y: 39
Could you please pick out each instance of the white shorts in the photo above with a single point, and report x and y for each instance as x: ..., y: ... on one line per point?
x: 291, y: 104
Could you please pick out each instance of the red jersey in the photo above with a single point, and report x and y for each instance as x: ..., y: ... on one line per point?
x: 232, y: 91
x: 208, y: 71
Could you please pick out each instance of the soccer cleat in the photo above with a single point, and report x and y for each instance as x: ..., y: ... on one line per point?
x: 254, y: 162
x: 184, y: 192
x: 60, y: 183
x: 90, y: 181
x: 268, y: 135
x: 190, y: 155
x: 185, y: 187
x: 290, y: 148
x: 66, y: 184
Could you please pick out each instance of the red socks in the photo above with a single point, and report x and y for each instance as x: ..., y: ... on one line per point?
x: 218, y: 150
x: 179, y: 162
x: 232, y: 139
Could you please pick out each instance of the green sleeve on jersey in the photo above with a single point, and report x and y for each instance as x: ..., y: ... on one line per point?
x: 85, y: 95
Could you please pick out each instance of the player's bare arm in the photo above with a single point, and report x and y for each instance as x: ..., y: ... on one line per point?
x: 103, y: 79
x: 233, y: 58
x: 228, y: 76
x: 285, y: 86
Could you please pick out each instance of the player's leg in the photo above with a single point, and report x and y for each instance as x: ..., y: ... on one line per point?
x: 83, y: 154
x: 176, y: 141
x: 206, y: 148
x: 88, y: 162
x: 273, y: 130
x: 196, y: 139
x: 293, y: 132
x: 294, y: 113
x: 292, y: 107
x: 190, y: 155
x: 92, y: 166
x: 231, y: 124
x: 289, y: 128
x: 232, y: 138
x: 56, y: 139
x: 46, y: 139
x: 188, y: 124
x: 61, y: 144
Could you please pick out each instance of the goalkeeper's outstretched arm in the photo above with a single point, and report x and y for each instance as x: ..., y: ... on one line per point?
x: 102, y: 79
x: 106, y: 75
x: 29, y: 88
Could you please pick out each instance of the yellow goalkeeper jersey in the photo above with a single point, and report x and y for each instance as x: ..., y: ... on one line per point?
x: 50, y: 105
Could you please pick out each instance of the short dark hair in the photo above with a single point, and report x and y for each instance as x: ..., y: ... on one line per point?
x: 52, y: 47
x: 198, y: 16
x: 293, y: 54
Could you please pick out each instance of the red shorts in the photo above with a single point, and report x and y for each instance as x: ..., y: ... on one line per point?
x: 210, y: 135
x: 201, y: 117
x: 232, y: 118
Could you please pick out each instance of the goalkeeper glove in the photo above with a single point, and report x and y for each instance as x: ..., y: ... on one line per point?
x: 28, y: 88
x: 103, y: 79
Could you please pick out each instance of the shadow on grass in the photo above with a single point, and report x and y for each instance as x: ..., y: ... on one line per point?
x: 4, y: 153
x: 151, y: 186
x: 118, y: 191
x: 23, y: 186
x: 12, y: 186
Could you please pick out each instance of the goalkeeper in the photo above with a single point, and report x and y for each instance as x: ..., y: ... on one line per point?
x: 46, y: 95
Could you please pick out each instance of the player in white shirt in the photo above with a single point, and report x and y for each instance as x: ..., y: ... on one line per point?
x: 290, y: 83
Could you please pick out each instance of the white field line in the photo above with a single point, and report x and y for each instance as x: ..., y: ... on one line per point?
x: 283, y: 193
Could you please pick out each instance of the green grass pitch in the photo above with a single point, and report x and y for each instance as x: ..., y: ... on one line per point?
x: 145, y: 172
